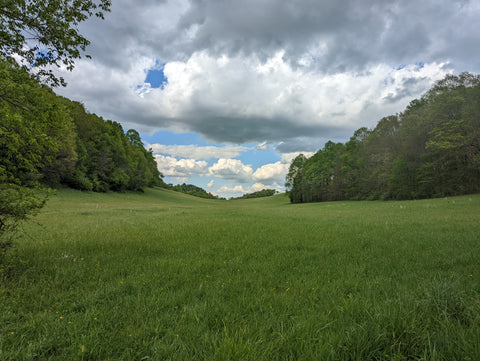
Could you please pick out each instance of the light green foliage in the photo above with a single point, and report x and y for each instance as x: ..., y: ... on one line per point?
x: 109, y: 159
x: 36, y: 146
x: 17, y: 203
x: 49, y: 141
x: 166, y: 276
x: 36, y: 137
x: 440, y: 137
x: 46, y: 32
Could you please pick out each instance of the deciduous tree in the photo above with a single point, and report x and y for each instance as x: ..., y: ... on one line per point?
x: 43, y: 33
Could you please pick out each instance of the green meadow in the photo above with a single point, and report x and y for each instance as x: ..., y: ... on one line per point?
x: 165, y: 276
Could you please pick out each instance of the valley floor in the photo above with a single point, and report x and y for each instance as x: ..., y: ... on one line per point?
x: 166, y: 276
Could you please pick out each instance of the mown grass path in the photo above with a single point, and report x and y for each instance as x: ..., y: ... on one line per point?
x: 165, y: 276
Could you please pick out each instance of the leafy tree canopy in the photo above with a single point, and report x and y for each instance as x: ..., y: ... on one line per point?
x: 432, y: 149
x: 45, y: 32
x: 47, y: 141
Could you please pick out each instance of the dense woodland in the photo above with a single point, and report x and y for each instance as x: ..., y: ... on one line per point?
x: 432, y: 149
x: 47, y: 141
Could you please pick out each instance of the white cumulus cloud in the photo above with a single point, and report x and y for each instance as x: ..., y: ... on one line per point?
x: 274, y: 173
x: 293, y: 73
x: 247, y: 99
x: 271, y: 172
x: 181, y: 170
x: 231, y: 169
x: 239, y: 190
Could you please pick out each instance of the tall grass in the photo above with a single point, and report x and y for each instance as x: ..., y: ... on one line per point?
x: 165, y: 276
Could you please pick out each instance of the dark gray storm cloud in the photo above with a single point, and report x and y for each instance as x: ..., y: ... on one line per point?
x: 339, y: 35
x: 250, y: 130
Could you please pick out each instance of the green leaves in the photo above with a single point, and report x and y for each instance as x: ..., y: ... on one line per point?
x: 46, y: 33
x: 295, y: 167
x: 430, y: 150
x: 109, y: 159
x: 17, y: 204
x: 47, y: 141
x: 313, y: 179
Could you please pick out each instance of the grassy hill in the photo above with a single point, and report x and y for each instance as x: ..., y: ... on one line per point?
x: 162, y: 275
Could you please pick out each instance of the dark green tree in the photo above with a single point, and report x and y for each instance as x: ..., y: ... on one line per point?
x: 315, y: 178
x: 294, y: 178
x: 439, y: 140
x: 432, y: 149
x: 108, y: 158
x: 192, y: 190
x: 381, y: 147
x: 295, y: 167
x: 353, y: 164
x: 258, y: 194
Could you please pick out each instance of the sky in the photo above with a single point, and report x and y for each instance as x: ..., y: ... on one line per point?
x: 226, y: 93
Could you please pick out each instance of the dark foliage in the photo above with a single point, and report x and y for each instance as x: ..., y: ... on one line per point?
x: 191, y: 190
x: 432, y: 149
x: 259, y: 194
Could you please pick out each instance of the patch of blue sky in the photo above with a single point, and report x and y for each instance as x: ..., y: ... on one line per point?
x: 156, y: 77
x: 252, y: 155
x: 420, y: 64
x: 43, y: 56
x: 257, y: 158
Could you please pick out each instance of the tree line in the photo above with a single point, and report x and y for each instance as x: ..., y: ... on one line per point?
x: 47, y: 141
x: 258, y: 194
x: 50, y: 140
x: 38, y: 141
x: 192, y: 190
x: 432, y: 149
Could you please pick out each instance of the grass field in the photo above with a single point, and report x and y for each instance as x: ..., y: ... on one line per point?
x: 166, y: 276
